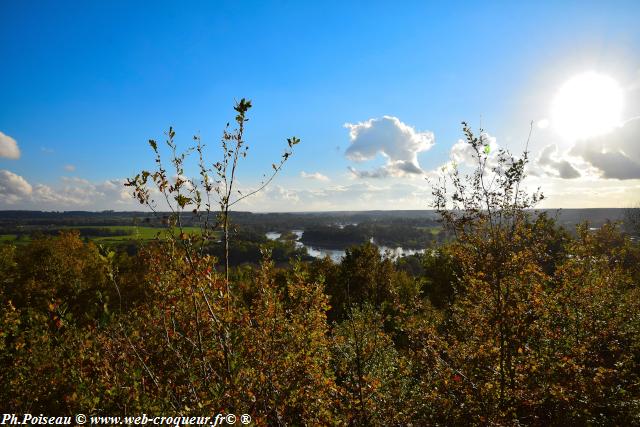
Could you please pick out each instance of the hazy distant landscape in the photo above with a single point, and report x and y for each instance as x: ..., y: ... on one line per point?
x: 322, y: 233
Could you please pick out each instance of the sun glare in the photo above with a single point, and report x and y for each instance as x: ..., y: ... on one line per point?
x: 587, y: 105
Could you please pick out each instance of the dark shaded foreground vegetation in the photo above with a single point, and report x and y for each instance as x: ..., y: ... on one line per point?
x: 514, y: 321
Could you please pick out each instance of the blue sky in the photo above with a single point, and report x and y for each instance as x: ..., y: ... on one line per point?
x: 85, y: 84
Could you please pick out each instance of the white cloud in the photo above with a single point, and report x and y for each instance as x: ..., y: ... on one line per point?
x: 315, y: 176
x: 69, y: 168
x: 397, y: 142
x: 8, y: 147
x: 13, y: 188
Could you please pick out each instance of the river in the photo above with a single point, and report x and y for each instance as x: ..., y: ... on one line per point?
x: 336, y: 255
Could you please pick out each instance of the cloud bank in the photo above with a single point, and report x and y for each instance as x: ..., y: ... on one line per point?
x: 73, y: 193
x: 13, y: 188
x: 359, y: 195
x: 617, y: 154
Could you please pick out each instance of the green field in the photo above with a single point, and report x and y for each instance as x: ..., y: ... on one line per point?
x: 434, y: 230
x: 136, y: 233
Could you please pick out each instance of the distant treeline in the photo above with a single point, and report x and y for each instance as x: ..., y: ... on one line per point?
x: 48, y: 231
x: 279, y: 221
x: 392, y: 235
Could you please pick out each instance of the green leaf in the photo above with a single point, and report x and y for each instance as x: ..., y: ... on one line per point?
x: 182, y: 200
x: 293, y: 141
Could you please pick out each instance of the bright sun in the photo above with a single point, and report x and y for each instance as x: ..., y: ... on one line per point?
x: 587, y: 105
